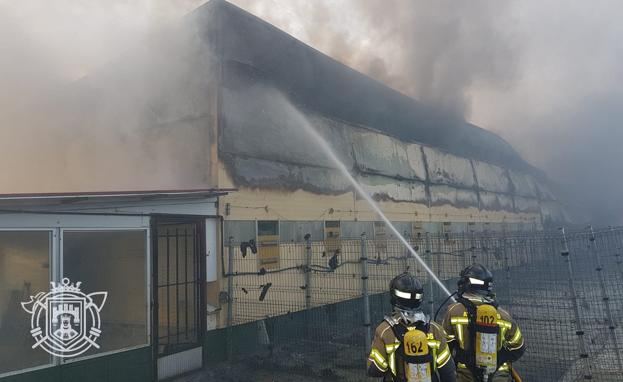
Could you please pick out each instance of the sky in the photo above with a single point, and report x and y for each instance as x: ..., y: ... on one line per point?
x: 544, y: 75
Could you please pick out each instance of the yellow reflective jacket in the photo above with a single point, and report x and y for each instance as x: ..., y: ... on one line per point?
x: 456, y: 326
x: 384, y: 345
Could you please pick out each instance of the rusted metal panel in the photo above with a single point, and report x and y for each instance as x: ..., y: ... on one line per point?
x: 384, y: 188
x: 416, y: 160
x: 259, y: 126
x: 491, y: 178
x: 461, y: 198
x: 494, y: 201
x: 380, y: 154
x: 444, y: 168
x: 524, y: 184
x: 254, y: 172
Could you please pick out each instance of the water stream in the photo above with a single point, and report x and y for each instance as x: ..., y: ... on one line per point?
x: 301, y: 120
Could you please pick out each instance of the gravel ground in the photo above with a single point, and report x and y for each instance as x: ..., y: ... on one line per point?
x: 319, y: 363
x: 257, y: 369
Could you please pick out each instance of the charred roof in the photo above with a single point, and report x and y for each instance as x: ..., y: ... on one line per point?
x: 252, y: 50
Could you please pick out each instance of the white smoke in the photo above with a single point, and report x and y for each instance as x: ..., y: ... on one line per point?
x: 87, y: 90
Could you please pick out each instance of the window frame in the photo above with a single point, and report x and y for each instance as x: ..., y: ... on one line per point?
x: 52, y: 277
x: 57, y: 222
x: 148, y: 286
x: 324, y: 228
x: 257, y: 227
x: 268, y: 266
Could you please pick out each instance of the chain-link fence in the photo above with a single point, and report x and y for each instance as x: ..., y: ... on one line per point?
x: 311, y: 309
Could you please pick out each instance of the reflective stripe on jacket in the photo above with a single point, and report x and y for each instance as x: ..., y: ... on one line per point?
x: 384, y: 346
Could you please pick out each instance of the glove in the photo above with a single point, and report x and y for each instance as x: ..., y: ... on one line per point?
x: 503, y: 356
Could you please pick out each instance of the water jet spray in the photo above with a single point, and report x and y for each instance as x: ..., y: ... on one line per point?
x: 324, y: 145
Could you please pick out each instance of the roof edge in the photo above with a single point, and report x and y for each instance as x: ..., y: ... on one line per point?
x: 116, y: 194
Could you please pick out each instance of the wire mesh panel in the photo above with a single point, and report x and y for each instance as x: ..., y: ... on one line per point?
x: 312, y: 316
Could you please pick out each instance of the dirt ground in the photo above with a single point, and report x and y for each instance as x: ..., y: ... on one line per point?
x: 258, y: 376
x: 326, y: 362
x: 248, y: 371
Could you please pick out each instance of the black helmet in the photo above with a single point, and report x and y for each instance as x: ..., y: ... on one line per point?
x: 406, y: 292
x: 476, y: 279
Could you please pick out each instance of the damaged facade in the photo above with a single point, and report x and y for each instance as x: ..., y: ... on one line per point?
x: 419, y: 165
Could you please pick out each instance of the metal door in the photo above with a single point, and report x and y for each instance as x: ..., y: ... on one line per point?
x: 178, y: 294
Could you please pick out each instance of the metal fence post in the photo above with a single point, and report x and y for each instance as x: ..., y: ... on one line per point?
x: 414, y: 244
x: 576, y: 309
x: 509, y: 281
x: 230, y: 297
x: 308, y: 297
x: 364, y: 291
x: 617, y: 254
x: 604, y: 297
x: 471, y: 259
x: 429, y: 260
x: 532, y: 243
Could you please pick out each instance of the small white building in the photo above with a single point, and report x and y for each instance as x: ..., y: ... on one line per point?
x: 152, y: 252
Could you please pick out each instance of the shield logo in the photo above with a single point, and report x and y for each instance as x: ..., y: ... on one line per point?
x: 66, y: 321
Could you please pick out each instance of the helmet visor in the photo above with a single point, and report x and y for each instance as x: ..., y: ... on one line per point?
x: 481, y: 287
x: 407, y: 300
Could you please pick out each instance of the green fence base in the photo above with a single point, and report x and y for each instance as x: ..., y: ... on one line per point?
x: 127, y: 366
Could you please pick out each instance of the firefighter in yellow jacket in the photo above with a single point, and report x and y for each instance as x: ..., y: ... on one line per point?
x: 484, y: 338
x: 407, y: 347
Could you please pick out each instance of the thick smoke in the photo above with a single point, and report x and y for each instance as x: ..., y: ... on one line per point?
x: 88, y: 91
x: 543, y: 75
x: 434, y: 51
x: 564, y: 114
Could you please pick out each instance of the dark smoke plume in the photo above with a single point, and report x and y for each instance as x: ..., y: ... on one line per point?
x: 433, y: 51
x: 543, y: 75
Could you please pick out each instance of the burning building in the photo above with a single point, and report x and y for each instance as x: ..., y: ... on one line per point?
x: 224, y: 97
x: 424, y: 168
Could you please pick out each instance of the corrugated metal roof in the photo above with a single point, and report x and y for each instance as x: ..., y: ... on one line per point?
x: 11, y: 201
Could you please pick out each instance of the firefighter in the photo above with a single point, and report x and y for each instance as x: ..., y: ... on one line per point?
x: 407, y: 347
x: 484, y: 338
